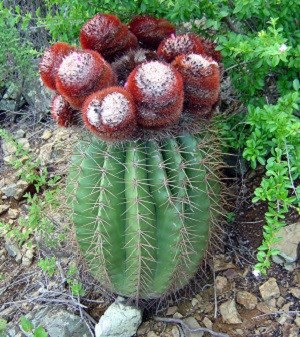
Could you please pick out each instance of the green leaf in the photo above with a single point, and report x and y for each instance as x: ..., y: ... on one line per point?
x: 26, y: 324
x: 40, y: 332
x: 296, y: 84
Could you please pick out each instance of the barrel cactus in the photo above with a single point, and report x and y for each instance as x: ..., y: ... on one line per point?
x: 143, y: 182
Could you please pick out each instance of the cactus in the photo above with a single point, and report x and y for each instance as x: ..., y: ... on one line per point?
x: 143, y: 212
x: 142, y: 185
x: 151, y: 31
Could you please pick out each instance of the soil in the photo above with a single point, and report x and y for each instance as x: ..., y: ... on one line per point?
x: 235, y: 250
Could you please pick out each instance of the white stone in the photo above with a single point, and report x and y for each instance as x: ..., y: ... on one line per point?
x: 119, y: 320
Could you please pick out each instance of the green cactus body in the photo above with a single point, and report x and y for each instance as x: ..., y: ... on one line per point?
x: 143, y: 211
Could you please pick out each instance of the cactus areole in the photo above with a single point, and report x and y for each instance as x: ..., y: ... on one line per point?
x: 143, y: 185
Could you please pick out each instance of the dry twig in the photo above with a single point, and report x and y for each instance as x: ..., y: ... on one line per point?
x: 187, y: 328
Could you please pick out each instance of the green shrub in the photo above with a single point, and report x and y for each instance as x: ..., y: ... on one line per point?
x: 16, y: 51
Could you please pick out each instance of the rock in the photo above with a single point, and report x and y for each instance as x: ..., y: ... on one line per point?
x: 8, y: 105
x: 3, y: 208
x: 286, y: 307
x: 36, y: 95
x: 280, y: 302
x: 143, y: 328
x: 171, y: 311
x: 239, y: 332
x: 297, y: 321
x: 229, y: 312
x: 282, y: 319
x: 24, y: 143
x: 271, y: 302
x: 177, y: 315
x: 152, y: 334
x: 13, y: 249
x: 194, y: 302
x: 265, y: 308
x: 27, y: 258
x: 221, y: 283
x: 21, y: 188
x: 269, y: 289
x: 221, y: 264
x: 46, y: 134
x: 289, y: 244
x: 45, y: 154
x: 8, y: 148
x: 119, y: 320
x: 207, y: 323
x: 175, y: 332
x: 295, y: 292
x: 289, y: 330
x: 15, y: 190
x: 13, y: 213
x: 246, y: 299
x: 10, y: 159
x: 19, y: 134
x: 59, y: 322
x: 192, y: 323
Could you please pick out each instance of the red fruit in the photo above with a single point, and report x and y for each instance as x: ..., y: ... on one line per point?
x: 106, y: 34
x: 124, y: 65
x: 201, y: 78
x: 151, y: 31
x: 50, y: 62
x: 180, y: 44
x: 110, y: 114
x: 157, y: 88
x: 154, y: 119
x: 81, y: 73
x: 62, y: 112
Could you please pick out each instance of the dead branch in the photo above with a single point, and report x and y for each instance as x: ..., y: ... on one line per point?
x: 186, y: 327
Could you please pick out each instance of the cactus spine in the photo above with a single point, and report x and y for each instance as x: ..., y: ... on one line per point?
x: 142, y: 212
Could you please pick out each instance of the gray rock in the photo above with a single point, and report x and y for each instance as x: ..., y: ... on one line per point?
x: 36, y: 95
x: 19, y: 134
x: 8, y: 105
x: 59, y: 322
x: 192, y: 323
x: 24, y: 143
x: 119, y: 320
x: 12, y: 92
x: 15, y: 190
x: 13, y: 249
x: 229, y: 312
x: 8, y: 148
x: 269, y: 289
x: 171, y: 311
x: 288, y: 245
x: 3, y: 208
